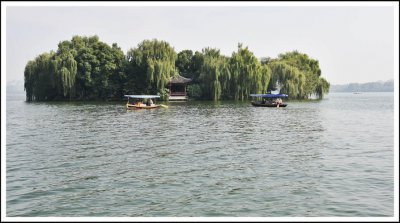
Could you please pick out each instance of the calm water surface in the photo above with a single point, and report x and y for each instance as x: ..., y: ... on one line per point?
x: 325, y: 158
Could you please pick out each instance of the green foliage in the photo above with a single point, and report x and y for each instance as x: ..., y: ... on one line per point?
x: 86, y: 68
x: 66, y: 69
x: 248, y: 75
x: 184, y: 61
x: 214, y: 74
x: 195, y: 67
x: 232, y: 78
x: 29, y: 80
x: 194, y: 91
x: 297, y: 75
x: 163, y: 93
x: 322, y: 87
x: 152, y: 64
x: 41, y: 78
x: 83, y: 68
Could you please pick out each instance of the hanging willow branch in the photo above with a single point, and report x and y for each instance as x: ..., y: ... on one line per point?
x: 85, y: 68
x: 157, y: 59
x: 298, y: 76
x: 248, y: 75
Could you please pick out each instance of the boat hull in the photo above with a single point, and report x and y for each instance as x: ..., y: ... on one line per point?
x: 136, y: 107
x: 257, y: 104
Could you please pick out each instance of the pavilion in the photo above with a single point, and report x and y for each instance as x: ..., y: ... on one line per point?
x: 177, y: 88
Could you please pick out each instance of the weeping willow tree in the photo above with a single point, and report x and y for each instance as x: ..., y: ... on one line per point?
x: 66, y: 72
x: 214, y: 74
x: 29, y: 79
x: 248, y: 75
x: 86, y: 68
x: 151, y: 64
x: 297, y: 75
x: 40, y: 78
x: 49, y: 75
x: 236, y: 77
x: 81, y: 68
x: 289, y: 79
x: 322, y: 87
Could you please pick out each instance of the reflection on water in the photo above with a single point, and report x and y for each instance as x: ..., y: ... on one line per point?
x: 332, y: 157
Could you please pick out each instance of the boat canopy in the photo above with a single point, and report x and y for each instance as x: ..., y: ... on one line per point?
x: 269, y: 95
x: 142, y: 96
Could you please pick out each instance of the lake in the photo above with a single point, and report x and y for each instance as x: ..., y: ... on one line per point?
x: 331, y: 157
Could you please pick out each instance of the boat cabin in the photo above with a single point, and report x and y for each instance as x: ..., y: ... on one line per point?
x: 268, y: 100
x: 178, y: 87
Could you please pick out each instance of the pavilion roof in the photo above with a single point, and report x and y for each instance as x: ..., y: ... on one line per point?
x: 178, y: 79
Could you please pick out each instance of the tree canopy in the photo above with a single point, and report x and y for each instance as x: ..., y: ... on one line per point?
x: 297, y: 75
x: 85, y: 68
x: 248, y: 74
x: 151, y: 65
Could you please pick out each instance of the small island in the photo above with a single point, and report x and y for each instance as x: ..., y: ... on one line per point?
x: 87, y: 69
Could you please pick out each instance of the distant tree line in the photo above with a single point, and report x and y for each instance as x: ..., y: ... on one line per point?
x: 88, y: 69
x: 379, y: 86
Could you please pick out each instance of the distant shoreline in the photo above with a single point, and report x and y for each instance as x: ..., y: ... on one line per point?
x: 377, y: 86
x: 17, y: 87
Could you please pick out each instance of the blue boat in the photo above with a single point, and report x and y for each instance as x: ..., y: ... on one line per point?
x: 268, y: 100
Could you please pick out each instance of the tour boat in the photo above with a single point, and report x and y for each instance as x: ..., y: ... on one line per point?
x: 142, y: 102
x: 269, y: 100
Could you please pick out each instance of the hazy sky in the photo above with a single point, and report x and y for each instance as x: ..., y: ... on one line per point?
x: 352, y: 43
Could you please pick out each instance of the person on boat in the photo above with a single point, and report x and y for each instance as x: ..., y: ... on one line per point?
x: 149, y: 102
x: 277, y: 101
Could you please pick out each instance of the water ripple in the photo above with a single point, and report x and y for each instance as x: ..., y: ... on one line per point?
x: 201, y: 159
